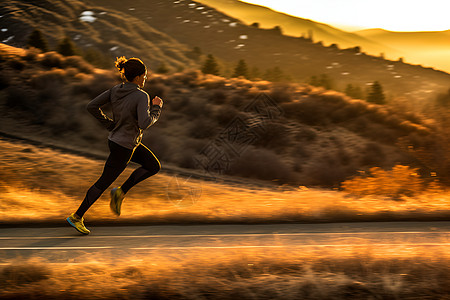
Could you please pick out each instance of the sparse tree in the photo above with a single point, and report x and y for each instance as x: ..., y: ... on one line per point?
x: 195, y: 53
x: 314, y: 81
x: 325, y: 81
x: 66, y: 47
x: 256, y: 25
x: 376, y: 94
x: 255, y: 73
x: 278, y: 29
x: 210, y: 66
x: 241, y: 69
x: 274, y: 75
x: 37, y: 40
x: 354, y: 91
x: 310, y: 35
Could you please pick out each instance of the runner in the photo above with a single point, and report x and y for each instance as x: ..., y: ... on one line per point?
x: 132, y: 114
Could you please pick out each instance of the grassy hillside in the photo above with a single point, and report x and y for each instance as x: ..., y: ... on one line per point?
x: 108, y: 33
x: 311, y: 136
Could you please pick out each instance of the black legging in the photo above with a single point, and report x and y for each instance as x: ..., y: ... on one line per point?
x: 118, y: 159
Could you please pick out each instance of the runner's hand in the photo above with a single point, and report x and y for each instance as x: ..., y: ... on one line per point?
x: 157, y: 101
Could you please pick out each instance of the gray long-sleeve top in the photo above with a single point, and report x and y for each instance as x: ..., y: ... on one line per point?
x: 132, y: 110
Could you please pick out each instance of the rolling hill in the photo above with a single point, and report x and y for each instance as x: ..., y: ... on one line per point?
x: 229, y: 39
x: 111, y: 32
x: 164, y: 32
x: 428, y: 48
x: 294, y: 26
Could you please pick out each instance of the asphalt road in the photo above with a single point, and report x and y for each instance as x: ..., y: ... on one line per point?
x: 64, y: 244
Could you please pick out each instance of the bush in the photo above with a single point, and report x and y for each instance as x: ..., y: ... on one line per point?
x: 4, y: 81
x: 32, y: 54
x: 218, y: 97
x: 326, y: 171
x: 52, y: 60
x: 201, y: 129
x: 261, y: 164
x: 79, y: 63
x: 395, y: 183
x: 49, y: 79
x: 306, y: 111
x: 281, y: 93
x: 274, y: 135
x: 17, y: 64
x: 16, y: 97
x: 373, y: 155
x: 225, y: 114
x: 197, y: 108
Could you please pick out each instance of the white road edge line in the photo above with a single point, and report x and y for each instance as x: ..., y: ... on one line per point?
x: 223, y: 235
x: 226, y: 247
x: 53, y: 248
x: 290, y: 246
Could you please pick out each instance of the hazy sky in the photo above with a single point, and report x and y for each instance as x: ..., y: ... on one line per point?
x: 395, y: 15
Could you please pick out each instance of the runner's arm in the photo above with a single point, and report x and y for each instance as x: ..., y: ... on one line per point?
x: 147, y: 113
x: 94, y: 107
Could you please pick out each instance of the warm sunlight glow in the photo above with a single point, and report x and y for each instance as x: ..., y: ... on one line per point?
x: 399, y: 15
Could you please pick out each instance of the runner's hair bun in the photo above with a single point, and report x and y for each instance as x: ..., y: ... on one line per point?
x: 120, y: 63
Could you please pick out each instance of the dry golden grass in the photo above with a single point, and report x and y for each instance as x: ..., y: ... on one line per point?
x: 44, y: 185
x: 230, y: 274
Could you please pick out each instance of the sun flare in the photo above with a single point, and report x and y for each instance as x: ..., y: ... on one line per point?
x: 353, y: 14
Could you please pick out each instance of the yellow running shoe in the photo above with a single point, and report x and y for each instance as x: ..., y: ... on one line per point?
x: 78, y: 224
x: 117, y: 197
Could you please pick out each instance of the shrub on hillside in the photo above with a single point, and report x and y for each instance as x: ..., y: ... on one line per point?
x: 17, y: 64
x: 281, y: 93
x: 395, y: 183
x: 202, y: 128
x: 52, y: 60
x: 49, y: 79
x: 305, y: 111
x: 326, y: 171
x: 218, y: 97
x: 225, y: 114
x: 372, y: 155
x: 17, y: 97
x: 306, y: 134
x: 197, y: 108
x: 79, y: 63
x: 31, y: 54
x: 274, y: 135
x: 4, y: 81
x: 261, y: 164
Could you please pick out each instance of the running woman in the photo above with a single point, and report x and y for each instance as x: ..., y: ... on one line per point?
x: 133, y: 112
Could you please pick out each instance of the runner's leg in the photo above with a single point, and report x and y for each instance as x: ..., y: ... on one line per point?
x: 115, y: 164
x: 149, y: 166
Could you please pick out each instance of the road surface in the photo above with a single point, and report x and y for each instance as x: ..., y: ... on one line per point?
x: 64, y: 244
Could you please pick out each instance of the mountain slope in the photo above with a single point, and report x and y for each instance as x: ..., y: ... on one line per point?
x: 113, y: 33
x: 428, y: 48
x: 295, y: 26
x: 229, y: 39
